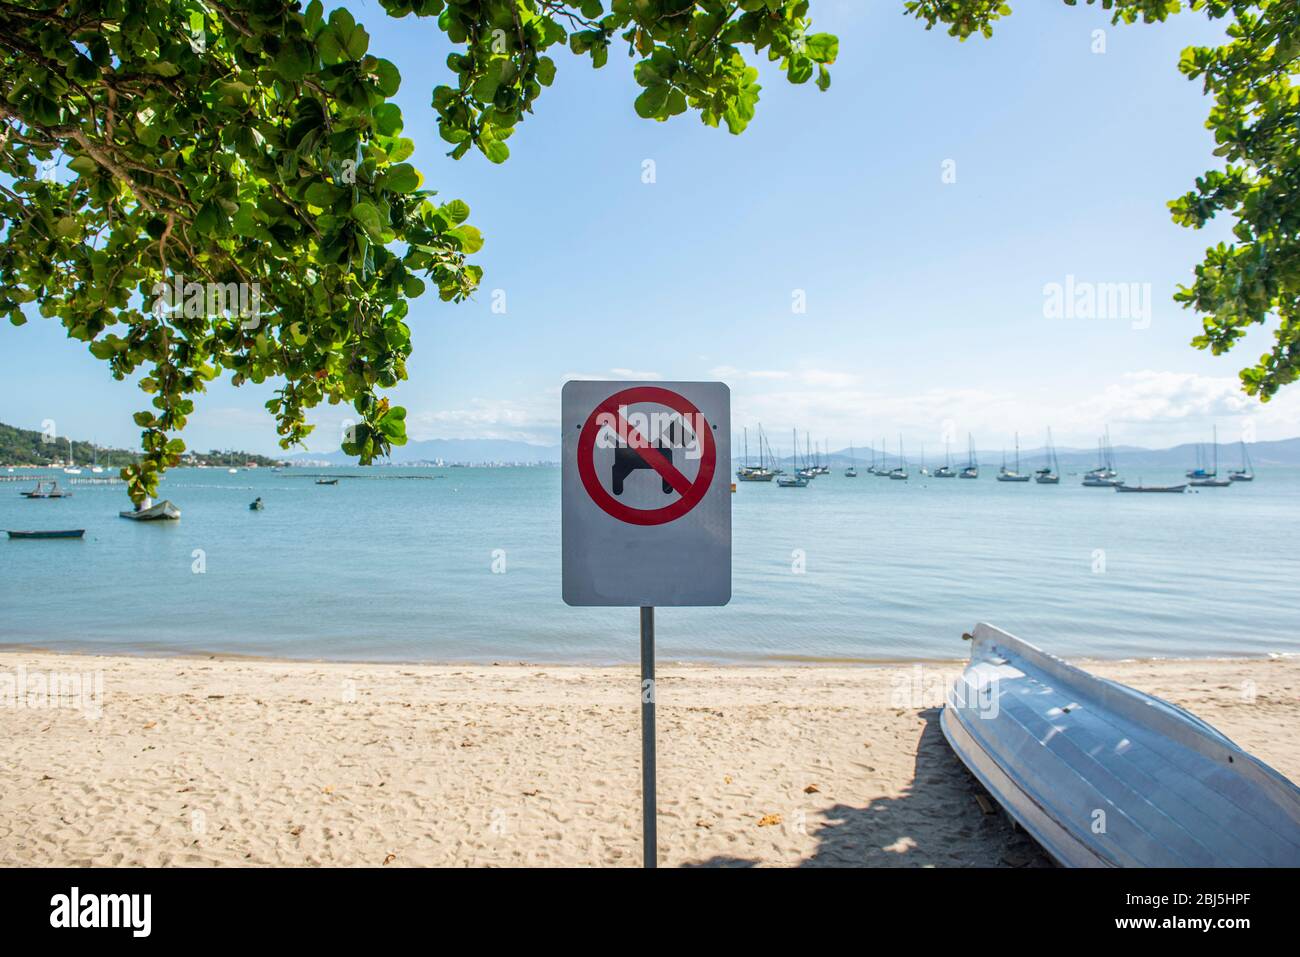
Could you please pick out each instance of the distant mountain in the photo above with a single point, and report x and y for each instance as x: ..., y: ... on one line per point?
x: 450, y: 451
x: 1280, y: 452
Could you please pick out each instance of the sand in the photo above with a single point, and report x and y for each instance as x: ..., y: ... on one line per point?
x: 196, y: 761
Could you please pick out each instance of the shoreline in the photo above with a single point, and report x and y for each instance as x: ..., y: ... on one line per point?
x: 775, y: 661
x: 208, y: 762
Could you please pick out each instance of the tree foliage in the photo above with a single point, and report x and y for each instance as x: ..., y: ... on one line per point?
x: 198, y: 188
x: 1255, y: 118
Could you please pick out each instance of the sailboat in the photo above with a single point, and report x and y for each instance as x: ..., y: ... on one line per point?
x: 72, y: 463
x: 751, y: 473
x: 899, y: 474
x: 884, y: 471
x: 945, y: 470
x: 972, y: 469
x: 1246, y: 473
x: 1210, y: 479
x: 230, y: 460
x: 852, y: 470
x: 95, y: 467
x: 924, y: 470
x: 819, y: 467
x: 1012, y: 475
x: 1049, y: 474
x: 1104, y: 475
x: 1105, y: 469
x: 798, y: 480
x: 808, y: 471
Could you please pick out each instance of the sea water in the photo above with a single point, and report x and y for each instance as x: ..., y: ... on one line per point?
x: 463, y: 564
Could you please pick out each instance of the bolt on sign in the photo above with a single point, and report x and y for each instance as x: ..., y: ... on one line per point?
x: 646, y: 494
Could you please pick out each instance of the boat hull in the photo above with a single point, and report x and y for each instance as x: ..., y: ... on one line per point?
x: 61, y: 533
x: 1103, y: 775
x: 164, y: 511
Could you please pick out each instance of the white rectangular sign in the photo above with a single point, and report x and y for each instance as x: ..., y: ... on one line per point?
x: 646, y: 493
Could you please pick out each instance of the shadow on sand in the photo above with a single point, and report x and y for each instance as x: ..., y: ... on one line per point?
x: 938, y: 822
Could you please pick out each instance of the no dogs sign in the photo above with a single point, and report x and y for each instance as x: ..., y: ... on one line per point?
x: 646, y: 493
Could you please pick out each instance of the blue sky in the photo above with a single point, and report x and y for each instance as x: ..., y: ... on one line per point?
x: 924, y: 298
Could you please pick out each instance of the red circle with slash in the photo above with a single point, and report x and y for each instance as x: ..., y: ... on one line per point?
x: 691, y: 493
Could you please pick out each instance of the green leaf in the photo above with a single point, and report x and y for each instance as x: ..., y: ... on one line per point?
x: 495, y: 150
x: 652, y: 101
x: 456, y: 210
x: 545, y: 71
x: 368, y: 217
x: 401, y: 178
x: 823, y: 47
x: 388, y: 119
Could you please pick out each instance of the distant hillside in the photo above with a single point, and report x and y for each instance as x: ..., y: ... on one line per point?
x: 450, y: 451
x: 29, y: 447
x: 1277, y: 453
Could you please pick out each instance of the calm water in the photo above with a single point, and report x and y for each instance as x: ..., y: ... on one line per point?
x: 395, y: 564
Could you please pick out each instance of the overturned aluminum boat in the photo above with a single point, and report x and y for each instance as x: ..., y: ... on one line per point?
x: 1102, y: 775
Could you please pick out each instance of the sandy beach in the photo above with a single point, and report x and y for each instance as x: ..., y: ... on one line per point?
x: 197, y: 761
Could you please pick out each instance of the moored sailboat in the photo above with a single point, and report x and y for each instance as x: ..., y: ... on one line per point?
x: 799, y: 479
x: 945, y: 470
x: 1012, y: 475
x: 1049, y: 474
x: 1247, y: 472
x: 899, y: 474
x: 972, y: 468
x: 754, y: 473
x: 1210, y: 479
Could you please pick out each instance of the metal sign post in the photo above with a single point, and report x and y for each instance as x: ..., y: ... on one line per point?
x: 646, y: 514
x: 649, y: 840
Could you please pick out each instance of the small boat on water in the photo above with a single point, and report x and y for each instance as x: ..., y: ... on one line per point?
x: 60, y: 533
x: 256, y: 505
x: 1049, y: 474
x: 754, y: 473
x: 802, y: 473
x: 47, y: 490
x: 327, y: 481
x: 1210, y: 479
x: 72, y: 468
x: 164, y: 511
x: 852, y: 470
x: 1103, y: 775
x: 1012, y: 475
x: 899, y: 474
x: 1105, y: 469
x: 1247, y: 472
x: 945, y: 470
x: 1173, y: 489
x: 972, y: 467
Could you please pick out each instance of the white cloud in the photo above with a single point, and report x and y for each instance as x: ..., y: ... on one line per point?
x: 732, y: 373
x: 485, y: 419
x: 621, y: 374
x: 1152, y: 408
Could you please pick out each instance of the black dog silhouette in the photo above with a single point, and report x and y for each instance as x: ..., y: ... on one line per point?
x: 627, y: 460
